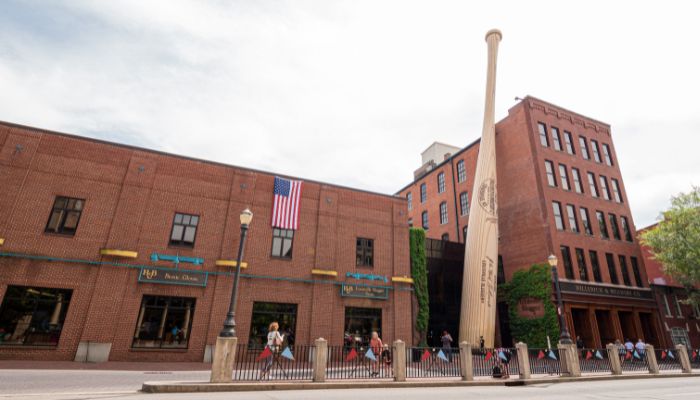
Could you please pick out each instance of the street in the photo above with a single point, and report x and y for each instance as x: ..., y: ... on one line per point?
x: 82, y: 385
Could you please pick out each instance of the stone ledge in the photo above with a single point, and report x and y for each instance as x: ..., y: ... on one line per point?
x: 193, y: 387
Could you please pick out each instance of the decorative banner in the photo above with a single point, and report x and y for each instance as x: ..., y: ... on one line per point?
x: 589, y: 355
x: 628, y: 355
x: 425, y: 355
x: 264, y: 354
x: 695, y: 354
x: 540, y: 355
x: 488, y: 356
x: 442, y: 356
x: 287, y: 354
x: 670, y: 354
x: 351, y: 355
x: 370, y: 354
x: 502, y: 356
x: 663, y: 354
x: 598, y: 355
x: 552, y: 355
x: 636, y: 355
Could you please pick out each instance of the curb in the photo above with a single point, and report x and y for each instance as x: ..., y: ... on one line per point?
x: 195, y: 387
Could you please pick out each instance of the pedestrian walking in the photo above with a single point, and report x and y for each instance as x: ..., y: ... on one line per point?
x: 274, y: 341
x: 446, y: 340
x: 375, y: 343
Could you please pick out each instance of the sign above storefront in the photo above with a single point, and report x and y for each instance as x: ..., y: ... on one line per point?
x: 174, y: 277
x: 599, y: 290
x: 365, y: 292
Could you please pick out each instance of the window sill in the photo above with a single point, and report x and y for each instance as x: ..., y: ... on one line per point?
x: 180, y: 247
x: 58, y: 234
x: 281, y: 258
x: 157, y: 349
x: 28, y: 346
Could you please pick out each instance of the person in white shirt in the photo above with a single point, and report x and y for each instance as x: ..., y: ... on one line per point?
x: 640, y: 346
x: 629, y: 345
x: 274, y: 342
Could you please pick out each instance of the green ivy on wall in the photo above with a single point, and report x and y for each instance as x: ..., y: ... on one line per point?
x: 419, y: 273
x: 536, y: 283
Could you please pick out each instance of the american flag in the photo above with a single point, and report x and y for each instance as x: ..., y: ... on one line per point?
x: 285, y: 207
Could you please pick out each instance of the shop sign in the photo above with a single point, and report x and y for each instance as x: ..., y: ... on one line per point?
x: 599, y: 290
x: 530, y: 308
x: 172, y: 277
x: 365, y: 292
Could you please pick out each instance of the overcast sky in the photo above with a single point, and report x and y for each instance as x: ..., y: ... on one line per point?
x: 350, y: 92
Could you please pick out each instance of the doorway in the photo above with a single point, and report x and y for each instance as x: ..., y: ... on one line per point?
x: 627, y: 326
x: 582, y: 326
x: 605, y: 327
x: 649, y: 331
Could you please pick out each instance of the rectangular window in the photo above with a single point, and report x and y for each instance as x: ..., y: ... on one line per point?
x: 365, y: 252
x: 582, y: 269
x: 616, y: 190
x: 464, y: 203
x: 564, y: 177
x: 585, y: 221
x: 184, y: 230
x: 424, y: 220
x: 423, y: 193
x: 285, y: 314
x: 33, y: 316
x: 679, y: 312
x: 409, y: 200
x: 568, y: 266
x: 624, y: 271
x: 592, y: 185
x: 445, y: 237
x: 164, y: 322
x: 612, y: 270
x: 65, y: 215
x: 542, y: 128
x: 596, y: 152
x: 607, y: 154
x: 578, y: 186
x: 443, y: 213
x: 360, y: 323
x: 556, y: 139
x: 282, y: 241
x: 626, y: 229
x: 602, y: 225
x: 558, y: 221
x: 551, y: 178
x: 613, y: 226
x: 573, y: 222
x: 667, y: 307
x: 584, y: 148
x: 569, y: 142
x: 604, y: 187
x: 636, y: 272
x: 441, y: 182
x: 461, y: 171
x: 595, y: 265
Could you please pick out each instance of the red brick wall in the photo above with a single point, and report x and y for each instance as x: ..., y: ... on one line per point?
x: 132, y: 208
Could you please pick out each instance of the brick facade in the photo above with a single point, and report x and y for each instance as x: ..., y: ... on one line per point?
x: 131, y: 196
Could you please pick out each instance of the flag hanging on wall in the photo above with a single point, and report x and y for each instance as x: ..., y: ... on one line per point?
x: 285, y: 205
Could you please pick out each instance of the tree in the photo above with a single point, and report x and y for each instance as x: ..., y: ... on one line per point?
x: 419, y: 273
x: 675, y: 242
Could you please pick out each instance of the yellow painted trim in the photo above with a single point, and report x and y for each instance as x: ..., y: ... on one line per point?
x: 119, y: 253
x: 324, y: 272
x: 230, y: 263
x: 2, y: 241
x: 402, y: 279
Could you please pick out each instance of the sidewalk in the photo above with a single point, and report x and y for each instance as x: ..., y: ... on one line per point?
x: 105, y: 366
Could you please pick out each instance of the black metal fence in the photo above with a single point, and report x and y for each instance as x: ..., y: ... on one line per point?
x: 633, y: 361
x: 668, y: 359
x: 427, y: 362
x: 594, y: 361
x: 544, y: 361
x: 484, y: 361
x: 694, y: 355
x: 285, y: 363
x: 358, y: 363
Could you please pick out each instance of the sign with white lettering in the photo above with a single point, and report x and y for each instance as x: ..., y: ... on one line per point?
x: 600, y: 290
x: 174, y: 277
x: 365, y: 292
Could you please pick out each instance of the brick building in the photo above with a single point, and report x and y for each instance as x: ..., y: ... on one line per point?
x: 115, y: 252
x: 681, y: 322
x: 560, y: 191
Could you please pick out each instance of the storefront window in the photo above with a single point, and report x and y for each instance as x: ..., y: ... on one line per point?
x: 164, y: 322
x: 359, y: 324
x: 33, y: 316
x: 266, y: 313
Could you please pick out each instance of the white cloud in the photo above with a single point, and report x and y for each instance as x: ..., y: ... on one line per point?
x: 351, y: 91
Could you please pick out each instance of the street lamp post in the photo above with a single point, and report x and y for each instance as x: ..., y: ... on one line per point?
x: 564, y: 337
x: 229, y: 329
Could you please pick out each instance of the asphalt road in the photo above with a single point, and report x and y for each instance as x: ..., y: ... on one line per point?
x: 122, y: 385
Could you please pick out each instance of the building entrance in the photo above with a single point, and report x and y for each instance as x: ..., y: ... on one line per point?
x: 627, y: 326
x: 649, y: 331
x: 582, y: 326
x: 605, y: 327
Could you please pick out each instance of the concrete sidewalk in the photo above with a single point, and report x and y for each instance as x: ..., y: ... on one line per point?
x: 192, y: 387
x: 105, y: 366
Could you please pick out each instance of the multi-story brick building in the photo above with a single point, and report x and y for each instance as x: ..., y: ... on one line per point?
x: 681, y: 321
x: 560, y: 191
x: 114, y: 252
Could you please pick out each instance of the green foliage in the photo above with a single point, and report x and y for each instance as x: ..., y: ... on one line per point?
x: 675, y: 242
x: 419, y: 273
x: 536, y: 283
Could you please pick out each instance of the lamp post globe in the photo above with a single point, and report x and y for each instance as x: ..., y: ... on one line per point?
x: 564, y: 336
x: 229, y: 329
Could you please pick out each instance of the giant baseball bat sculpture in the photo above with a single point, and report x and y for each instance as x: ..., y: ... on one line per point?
x: 478, y: 309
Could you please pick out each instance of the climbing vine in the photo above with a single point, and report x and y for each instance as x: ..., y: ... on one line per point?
x: 419, y: 273
x: 535, y: 283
